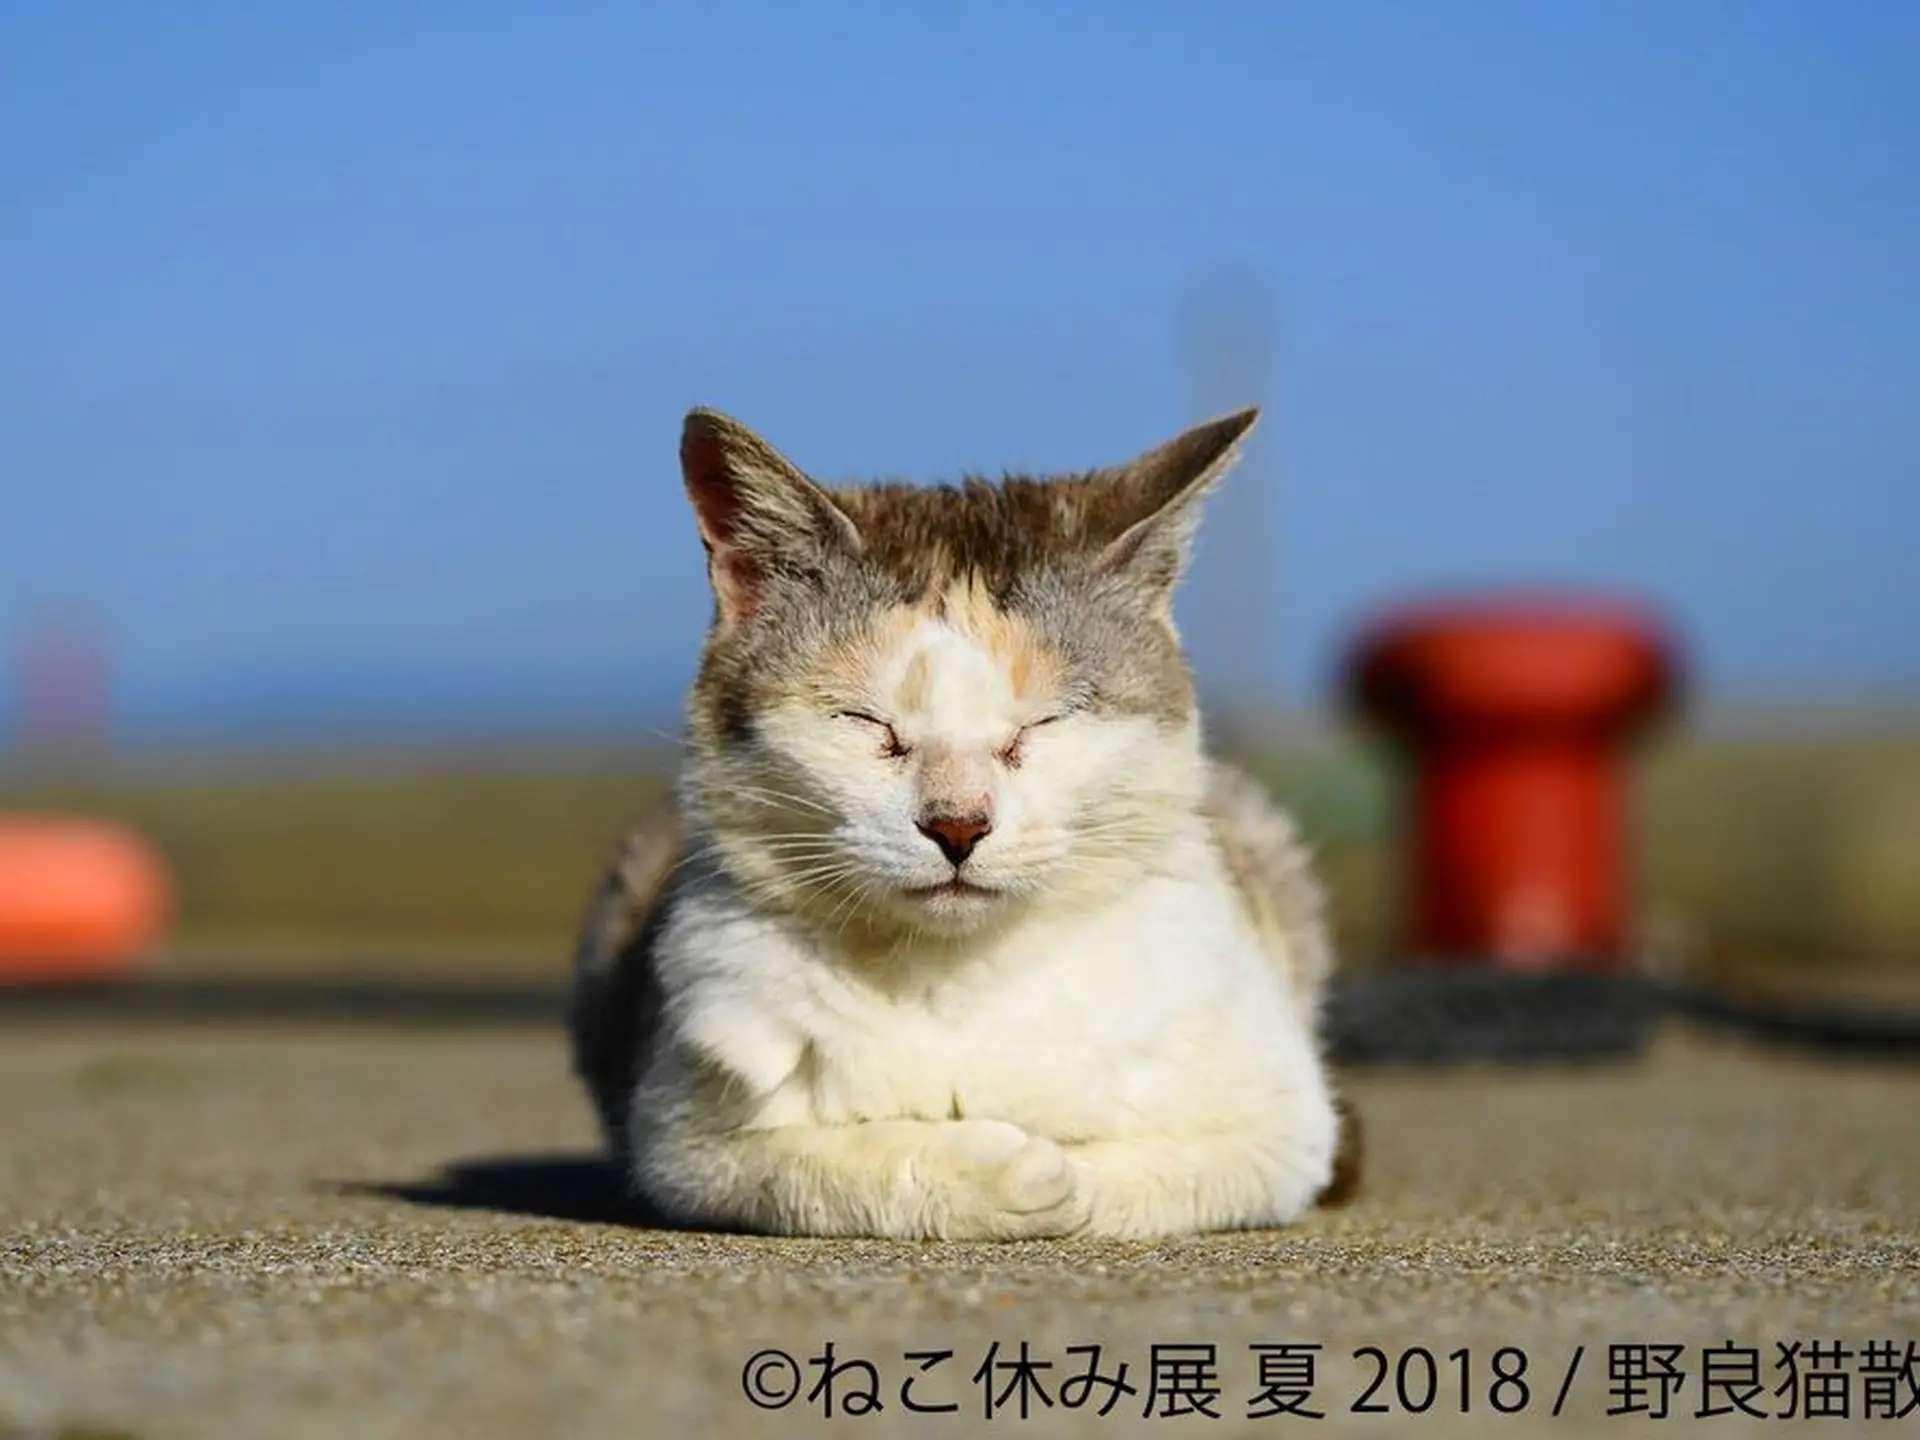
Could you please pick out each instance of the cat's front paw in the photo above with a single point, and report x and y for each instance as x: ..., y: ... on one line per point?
x: 989, y: 1180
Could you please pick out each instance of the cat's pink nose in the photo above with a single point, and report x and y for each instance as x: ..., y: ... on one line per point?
x: 956, y: 835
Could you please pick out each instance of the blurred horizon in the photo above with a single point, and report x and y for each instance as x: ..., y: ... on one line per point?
x: 343, y: 351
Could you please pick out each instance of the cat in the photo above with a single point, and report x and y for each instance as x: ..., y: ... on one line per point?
x: 951, y: 928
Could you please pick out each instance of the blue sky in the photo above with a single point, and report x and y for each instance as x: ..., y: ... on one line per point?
x: 343, y: 348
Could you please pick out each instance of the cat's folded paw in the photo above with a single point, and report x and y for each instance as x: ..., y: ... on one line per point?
x: 994, y: 1181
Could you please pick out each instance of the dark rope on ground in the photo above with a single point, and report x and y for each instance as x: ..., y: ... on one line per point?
x: 1416, y: 1016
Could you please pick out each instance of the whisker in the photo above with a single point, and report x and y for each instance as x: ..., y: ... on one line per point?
x: 852, y: 904
x: 770, y: 796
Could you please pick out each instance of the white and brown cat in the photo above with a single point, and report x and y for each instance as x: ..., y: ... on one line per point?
x: 953, y: 929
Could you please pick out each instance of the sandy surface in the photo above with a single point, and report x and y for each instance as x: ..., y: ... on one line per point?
x: 375, y: 1233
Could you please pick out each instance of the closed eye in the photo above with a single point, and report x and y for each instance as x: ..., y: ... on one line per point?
x: 1010, y: 754
x: 890, y: 743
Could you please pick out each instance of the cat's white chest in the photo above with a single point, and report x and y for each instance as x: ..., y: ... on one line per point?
x: 1076, y: 1028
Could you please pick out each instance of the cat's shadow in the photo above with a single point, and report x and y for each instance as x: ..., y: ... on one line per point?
x: 582, y: 1187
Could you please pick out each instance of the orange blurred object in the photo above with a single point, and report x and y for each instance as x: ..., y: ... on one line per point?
x: 79, y: 898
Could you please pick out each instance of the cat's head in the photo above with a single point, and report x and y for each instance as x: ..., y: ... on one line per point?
x: 922, y: 708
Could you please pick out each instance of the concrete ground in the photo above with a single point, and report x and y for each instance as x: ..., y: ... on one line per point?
x: 378, y: 1232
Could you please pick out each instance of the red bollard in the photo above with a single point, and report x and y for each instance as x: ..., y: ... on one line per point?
x: 1516, y: 713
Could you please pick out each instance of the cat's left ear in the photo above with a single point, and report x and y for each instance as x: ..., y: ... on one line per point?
x: 758, y: 514
x: 1158, y: 498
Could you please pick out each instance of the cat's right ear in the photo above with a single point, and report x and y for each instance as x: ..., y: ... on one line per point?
x: 756, y: 510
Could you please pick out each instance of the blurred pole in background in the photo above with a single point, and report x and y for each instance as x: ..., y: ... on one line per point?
x: 1228, y: 607
x: 63, y: 688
